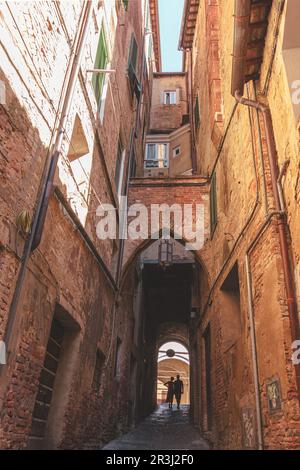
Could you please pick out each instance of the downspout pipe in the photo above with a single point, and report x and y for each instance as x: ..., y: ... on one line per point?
x: 241, y: 33
x: 241, y: 27
x: 281, y: 221
x: 48, y: 190
x: 254, y: 354
x: 46, y: 187
x: 192, y: 123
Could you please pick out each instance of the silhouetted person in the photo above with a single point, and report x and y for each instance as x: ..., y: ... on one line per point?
x: 170, y: 394
x: 178, y: 390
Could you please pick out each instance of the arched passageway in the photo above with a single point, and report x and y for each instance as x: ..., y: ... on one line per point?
x: 173, y: 360
x: 168, y: 283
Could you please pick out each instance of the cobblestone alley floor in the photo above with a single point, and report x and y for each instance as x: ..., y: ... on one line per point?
x: 163, y: 430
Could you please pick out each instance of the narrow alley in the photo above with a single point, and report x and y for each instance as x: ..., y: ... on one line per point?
x: 163, y: 429
x: 149, y: 224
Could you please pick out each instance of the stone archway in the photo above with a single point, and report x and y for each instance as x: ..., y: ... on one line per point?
x: 161, y: 309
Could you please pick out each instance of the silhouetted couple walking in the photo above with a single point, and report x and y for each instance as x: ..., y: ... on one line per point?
x: 175, y: 387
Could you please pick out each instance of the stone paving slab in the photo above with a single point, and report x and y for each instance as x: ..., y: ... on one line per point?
x: 163, y: 430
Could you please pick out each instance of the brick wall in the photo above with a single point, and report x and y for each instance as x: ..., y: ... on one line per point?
x: 64, y: 276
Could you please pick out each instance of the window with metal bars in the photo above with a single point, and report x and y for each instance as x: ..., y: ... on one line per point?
x: 100, y: 63
x: 213, y: 204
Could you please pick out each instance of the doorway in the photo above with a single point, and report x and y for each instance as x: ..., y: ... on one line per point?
x: 46, y: 386
x: 55, y: 382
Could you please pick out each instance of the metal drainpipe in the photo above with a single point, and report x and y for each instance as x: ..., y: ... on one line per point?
x: 279, y: 183
x: 62, y: 126
x: 241, y: 23
x: 253, y: 329
x: 254, y: 355
x: 261, y: 158
x: 191, y: 92
x: 45, y: 192
x: 281, y: 223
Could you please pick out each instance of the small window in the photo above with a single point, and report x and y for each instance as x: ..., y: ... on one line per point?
x: 213, y: 204
x: 176, y: 151
x: 100, y: 360
x: 100, y: 63
x: 170, y: 97
x: 117, y: 371
x: 156, y: 155
x: 197, y: 113
x: 125, y: 3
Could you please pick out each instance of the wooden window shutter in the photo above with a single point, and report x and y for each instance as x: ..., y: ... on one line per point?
x: 100, y: 63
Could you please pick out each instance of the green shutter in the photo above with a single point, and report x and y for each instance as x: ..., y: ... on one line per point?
x: 213, y: 203
x: 100, y: 63
x: 132, y: 59
x: 132, y: 64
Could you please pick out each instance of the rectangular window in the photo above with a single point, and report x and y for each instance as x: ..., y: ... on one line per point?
x: 117, y: 371
x: 176, y: 151
x: 197, y: 113
x: 170, y: 97
x: 156, y: 155
x: 100, y: 360
x: 213, y: 204
x: 100, y: 63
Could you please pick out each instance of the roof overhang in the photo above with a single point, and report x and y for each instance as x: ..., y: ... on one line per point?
x: 250, y: 29
x: 153, y: 4
x: 188, y: 24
